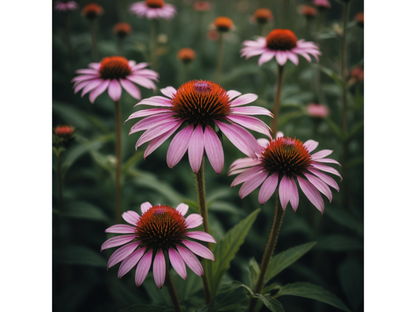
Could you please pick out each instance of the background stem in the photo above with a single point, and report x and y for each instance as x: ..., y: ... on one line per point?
x: 172, y: 292
x: 118, y: 161
x: 276, y: 107
x: 93, y: 42
x: 60, y: 194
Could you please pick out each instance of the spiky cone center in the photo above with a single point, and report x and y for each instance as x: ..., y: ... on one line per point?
x: 122, y: 29
x: 114, y: 67
x: 223, y: 24
x: 281, y: 39
x: 186, y: 55
x: 155, y: 3
x: 92, y: 10
x: 308, y: 11
x: 262, y: 16
x: 64, y: 132
x: 161, y: 227
x: 286, y: 156
x: 201, y: 102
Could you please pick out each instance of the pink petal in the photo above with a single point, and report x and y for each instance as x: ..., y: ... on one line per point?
x: 148, y: 112
x: 130, y: 262
x: 279, y: 134
x: 196, y: 149
x: 157, y: 131
x: 244, y: 99
x: 251, y: 123
x: 293, y: 57
x: 268, y: 188
x: 214, y: 150
x: 169, y: 91
x: 156, y: 101
x: 232, y: 94
x: 114, y: 90
x: 92, y: 85
x: 139, y: 66
x: 246, y: 175
x: 190, y: 259
x: 320, y: 185
x: 88, y: 71
x: 199, y: 249
x: 321, y: 154
x: 150, y: 122
x: 193, y: 220
x: 178, y: 146
x: 182, y: 208
x: 284, y: 191
x: 80, y: 86
x: 94, y: 65
x: 121, y: 229
x: 328, y: 160
x: 143, y: 267
x: 203, y: 236
x: 145, y: 207
x: 100, y: 89
x: 312, y: 194
x: 130, y: 88
x: 327, y: 179
x: 263, y: 142
x: 281, y: 57
x: 266, y: 56
x: 159, y: 269
x: 117, y: 241
x: 131, y: 217
x: 141, y: 81
x: 252, y: 110
x: 177, y: 263
x: 85, y: 77
x: 243, y: 163
x: 311, y: 145
x: 250, y: 186
x: 155, y: 143
x: 122, y: 253
x: 294, y: 195
x: 326, y: 169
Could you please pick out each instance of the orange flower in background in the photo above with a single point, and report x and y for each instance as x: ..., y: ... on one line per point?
x: 64, y: 132
x: 307, y: 11
x: 223, y: 24
x: 92, y: 10
x: 358, y: 74
x: 122, y: 29
x: 263, y: 16
x: 202, y: 6
x: 186, y: 55
x: 359, y: 18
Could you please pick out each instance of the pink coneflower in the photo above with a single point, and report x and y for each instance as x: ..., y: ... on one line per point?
x: 317, y: 110
x: 65, y: 5
x: 153, y: 9
x: 281, y: 44
x: 202, y: 6
x: 200, y: 105
x: 287, y: 160
x: 322, y: 5
x: 160, y: 231
x: 110, y: 73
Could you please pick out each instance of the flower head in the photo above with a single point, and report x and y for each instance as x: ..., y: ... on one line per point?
x: 122, y: 29
x: 359, y: 18
x: 92, y: 10
x: 223, y: 24
x: 200, y: 106
x: 110, y: 73
x: 186, y: 55
x: 63, y: 135
x: 63, y: 6
x: 307, y: 11
x: 160, y: 231
x: 322, y: 5
x: 263, y: 16
x: 317, y: 110
x: 202, y: 6
x: 281, y: 44
x: 286, y: 160
x: 357, y: 73
x: 153, y: 9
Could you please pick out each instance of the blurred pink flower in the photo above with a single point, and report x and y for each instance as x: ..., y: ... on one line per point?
x: 202, y: 6
x: 153, y: 9
x: 110, y: 73
x: 62, y: 5
x: 289, y: 160
x: 317, y: 110
x: 200, y: 105
x: 281, y: 44
x: 160, y: 231
x: 322, y: 4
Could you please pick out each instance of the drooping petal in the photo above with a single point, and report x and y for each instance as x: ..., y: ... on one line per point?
x: 199, y: 249
x: 328, y: 160
x: 193, y: 220
x: 91, y: 86
x: 156, y: 101
x: 281, y: 57
x: 190, y: 259
x: 117, y: 241
x: 121, y: 229
x: 122, y: 253
x: 142, y: 81
x: 131, y: 88
x: 320, y: 185
x: 252, y: 110
x: 293, y: 57
x: 214, y: 150
x: 154, y: 132
x: 196, y: 149
x: 326, y: 169
x: 251, y: 123
x: 284, y: 191
x: 250, y: 186
x: 148, y: 112
x: 143, y: 267
x: 294, y: 195
x: 130, y: 262
x: 268, y: 188
x: 156, y: 142
x: 266, y: 56
x: 114, y: 90
x: 243, y: 163
x: 100, y: 89
x: 327, y: 179
x: 131, y: 217
x: 145, y: 207
x: 150, y: 122
x: 232, y: 94
x: 321, y: 154
x: 202, y: 236
x: 178, y: 146
x: 159, y: 269
x: 182, y: 208
x: 246, y: 175
x: 244, y: 99
x: 312, y: 194
x: 177, y: 263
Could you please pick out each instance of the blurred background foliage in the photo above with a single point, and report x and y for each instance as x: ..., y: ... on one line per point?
x: 80, y: 279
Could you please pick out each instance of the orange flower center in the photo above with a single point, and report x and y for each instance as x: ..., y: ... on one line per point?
x: 114, y: 67
x: 92, y: 10
x: 201, y: 102
x: 308, y: 11
x: 262, y: 16
x: 155, y: 3
x: 223, y: 23
x: 64, y: 132
x: 122, y: 29
x: 161, y: 226
x: 186, y: 55
x: 286, y: 156
x: 281, y: 39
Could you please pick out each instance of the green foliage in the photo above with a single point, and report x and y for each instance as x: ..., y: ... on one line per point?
x: 144, y: 308
x: 79, y: 255
x: 84, y: 210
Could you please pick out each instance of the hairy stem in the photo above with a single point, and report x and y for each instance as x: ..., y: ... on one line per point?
x: 118, y: 161
x: 172, y: 292
x: 276, y: 107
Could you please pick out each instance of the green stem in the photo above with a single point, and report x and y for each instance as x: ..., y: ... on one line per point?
x: 261, y: 27
x: 172, y: 292
x: 118, y: 161
x: 93, y: 42
x: 276, y: 107
x: 220, y: 57
x: 120, y: 46
x: 274, y: 234
x: 153, y: 43
x: 200, y: 186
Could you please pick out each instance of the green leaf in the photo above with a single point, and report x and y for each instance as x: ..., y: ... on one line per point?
x: 192, y: 204
x: 84, y: 210
x: 284, y: 259
x: 224, y: 207
x: 346, y: 219
x: 307, y: 290
x: 219, y: 193
x: 355, y: 130
x: 70, y: 114
x: 225, y: 250
x: 285, y: 118
x: 335, y: 128
x: 132, y: 161
x: 340, y: 243
x: 271, y: 287
x: 144, y: 308
x: 271, y: 303
x: 253, y: 272
x: 79, y: 255
x: 238, y: 72
x: 330, y: 73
